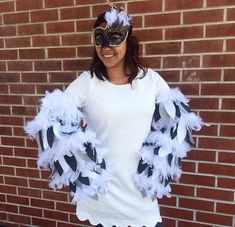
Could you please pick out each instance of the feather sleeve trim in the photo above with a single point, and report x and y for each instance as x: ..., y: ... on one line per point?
x: 69, y: 147
x: 168, y: 142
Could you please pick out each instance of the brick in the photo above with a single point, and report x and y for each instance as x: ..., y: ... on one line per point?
x: 5, y: 110
x: 6, y: 6
x: 31, y: 100
x: 184, y: 190
x: 43, y: 222
x: 52, y: 65
x: 11, y: 208
x: 5, y: 131
x: 213, y: 193
x: 10, y: 99
x: 42, y: 203
x: 202, y: 155
x: 217, y: 143
x: 8, y: 54
x: 28, y: 4
x: 60, y: 27
x: 75, y: 13
x: 183, y: 4
x: 3, y: 89
x: 82, y: 64
x: 176, y: 213
x: 226, y: 157
x: 58, y: 3
x: 217, y: 169
x: 203, y: 46
x: 137, y: 21
x: 192, y: 224
x: 16, y: 181
x: 41, y: 89
x: 52, y: 195
x: 170, y: 75
x: 32, y: 53
x: 18, y: 131
x: 201, y: 75
x: 225, y: 117
x: 188, y: 89
x: 34, y: 77
x: 162, y: 19
x: 44, y: 15
x: 29, y: 192
x: 218, y: 89
x: 167, y: 201
x: 229, y: 75
x: 6, y: 151
x: 220, y: 2
x: 204, y: 103
x: 24, y: 111
x: 184, y: 33
x: 163, y: 48
x: 31, y: 29
x: 20, y: 65
x: 16, y: 18
x: 76, y: 39
x: 55, y: 215
x: 78, y: 2
x: 227, y: 131
x: 71, y: 208
x: 143, y: 35
x: 225, y: 208
x: 196, y: 204
x: 203, y: 16
x: 30, y: 211
x: 230, y: 45
x: 198, y: 179
x: 214, y: 218
x: 85, y: 51
x: 225, y: 182
x: 17, y: 42
x: 144, y: 6
x: 223, y: 60
x: 181, y: 61
x: 7, y: 189
x: 8, y: 31
x: 32, y: 163
x: 62, y: 52
x: 220, y: 30
x: 84, y: 25
x: 22, y: 89
x: 62, y: 77
x: 14, y: 161
x: 11, y: 121
x: 2, y: 66
x: 42, y: 184
x: 231, y: 14
x: 20, y: 219
x: 27, y: 173
x: 17, y: 199
x: 7, y: 170
x: 101, y: 8
x: 42, y: 41
x: 152, y: 62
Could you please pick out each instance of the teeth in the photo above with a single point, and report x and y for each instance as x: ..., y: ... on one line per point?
x: 108, y: 55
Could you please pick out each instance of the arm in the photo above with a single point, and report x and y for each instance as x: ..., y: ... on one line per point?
x: 67, y: 146
x: 168, y: 142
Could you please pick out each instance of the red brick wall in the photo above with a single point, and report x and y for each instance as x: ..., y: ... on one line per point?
x: 44, y: 43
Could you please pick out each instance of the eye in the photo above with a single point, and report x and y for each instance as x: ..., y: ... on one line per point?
x: 115, y: 36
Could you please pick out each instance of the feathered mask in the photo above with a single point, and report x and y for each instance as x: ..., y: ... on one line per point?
x: 116, y: 29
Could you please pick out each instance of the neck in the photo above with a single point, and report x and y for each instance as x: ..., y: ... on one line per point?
x: 117, y: 75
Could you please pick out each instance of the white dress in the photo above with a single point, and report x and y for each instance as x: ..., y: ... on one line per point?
x: 121, y: 116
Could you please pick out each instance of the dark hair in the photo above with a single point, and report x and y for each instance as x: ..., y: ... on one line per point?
x: 133, y: 60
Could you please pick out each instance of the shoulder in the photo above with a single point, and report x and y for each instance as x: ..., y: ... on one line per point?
x: 159, y: 83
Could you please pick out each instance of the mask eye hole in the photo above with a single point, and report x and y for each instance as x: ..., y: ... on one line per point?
x: 115, y: 36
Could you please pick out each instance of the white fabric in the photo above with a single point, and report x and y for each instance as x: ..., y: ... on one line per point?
x: 121, y: 115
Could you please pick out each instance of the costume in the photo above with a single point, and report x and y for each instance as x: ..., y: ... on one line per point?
x: 142, y: 131
x: 116, y: 146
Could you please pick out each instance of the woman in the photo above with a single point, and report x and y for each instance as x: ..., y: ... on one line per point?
x: 145, y: 138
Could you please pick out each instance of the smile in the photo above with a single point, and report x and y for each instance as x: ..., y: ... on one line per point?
x: 108, y: 55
